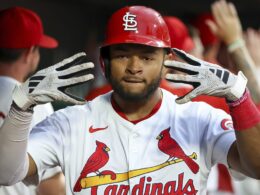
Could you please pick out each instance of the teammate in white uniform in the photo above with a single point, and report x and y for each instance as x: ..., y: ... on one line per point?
x: 7, y: 85
x: 135, y: 139
x: 14, y: 70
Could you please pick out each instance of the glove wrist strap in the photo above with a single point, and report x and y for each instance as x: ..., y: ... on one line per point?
x: 244, y: 112
x: 237, y: 91
x: 21, y: 99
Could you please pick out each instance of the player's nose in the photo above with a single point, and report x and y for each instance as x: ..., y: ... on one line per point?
x: 134, y: 65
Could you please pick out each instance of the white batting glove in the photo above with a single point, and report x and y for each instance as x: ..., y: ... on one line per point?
x: 51, y: 83
x: 206, y: 78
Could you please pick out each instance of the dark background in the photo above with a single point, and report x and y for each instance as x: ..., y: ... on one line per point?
x: 79, y: 25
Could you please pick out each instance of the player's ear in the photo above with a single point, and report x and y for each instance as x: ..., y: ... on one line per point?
x: 168, y: 54
x: 28, y: 54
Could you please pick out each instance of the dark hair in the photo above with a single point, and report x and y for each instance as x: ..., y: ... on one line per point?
x: 106, y: 60
x: 10, y: 55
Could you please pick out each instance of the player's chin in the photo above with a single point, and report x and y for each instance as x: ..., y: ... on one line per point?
x: 131, y: 94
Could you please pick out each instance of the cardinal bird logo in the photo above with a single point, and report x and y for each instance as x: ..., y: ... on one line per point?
x: 96, y: 161
x: 169, y: 146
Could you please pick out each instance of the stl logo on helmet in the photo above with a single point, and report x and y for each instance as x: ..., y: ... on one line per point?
x: 130, y: 23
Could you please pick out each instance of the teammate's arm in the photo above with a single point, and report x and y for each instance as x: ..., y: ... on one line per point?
x: 45, y: 86
x: 32, y: 170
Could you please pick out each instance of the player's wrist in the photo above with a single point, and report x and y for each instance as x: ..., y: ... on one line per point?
x: 235, y: 44
x: 244, y: 112
x: 238, y: 89
x: 240, y: 100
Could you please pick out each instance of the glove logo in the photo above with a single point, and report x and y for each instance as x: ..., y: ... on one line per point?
x: 34, y: 81
x: 222, y: 74
x: 130, y: 22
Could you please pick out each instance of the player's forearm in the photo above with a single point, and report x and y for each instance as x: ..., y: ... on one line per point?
x: 244, y: 62
x: 13, y: 146
x: 245, y: 155
x: 249, y: 153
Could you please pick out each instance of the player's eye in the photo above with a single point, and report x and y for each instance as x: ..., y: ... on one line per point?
x: 147, y: 58
x: 121, y: 57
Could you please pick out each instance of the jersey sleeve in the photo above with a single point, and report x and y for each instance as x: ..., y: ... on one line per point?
x: 41, y: 112
x: 218, y: 135
x: 46, y: 142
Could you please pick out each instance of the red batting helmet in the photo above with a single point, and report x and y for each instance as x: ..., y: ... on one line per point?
x: 136, y: 25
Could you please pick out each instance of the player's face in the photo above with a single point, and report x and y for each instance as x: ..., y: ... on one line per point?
x: 135, y: 70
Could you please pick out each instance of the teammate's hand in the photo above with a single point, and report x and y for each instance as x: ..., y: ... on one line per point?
x: 227, y: 25
x: 206, y: 78
x: 51, y: 83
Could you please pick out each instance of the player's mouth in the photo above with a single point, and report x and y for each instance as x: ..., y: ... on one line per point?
x: 133, y: 80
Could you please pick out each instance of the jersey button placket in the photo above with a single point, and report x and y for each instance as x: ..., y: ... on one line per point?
x: 133, y: 153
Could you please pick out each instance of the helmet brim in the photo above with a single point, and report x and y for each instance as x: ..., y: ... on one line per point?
x: 136, y: 39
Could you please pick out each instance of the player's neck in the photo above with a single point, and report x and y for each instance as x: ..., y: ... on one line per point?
x: 138, y: 110
x: 16, y: 71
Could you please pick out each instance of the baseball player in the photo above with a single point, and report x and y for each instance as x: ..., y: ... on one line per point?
x: 19, y: 56
x: 139, y: 138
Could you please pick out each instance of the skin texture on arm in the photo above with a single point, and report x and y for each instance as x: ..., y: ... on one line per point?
x: 32, y: 170
x: 244, y: 155
x: 252, y: 39
x: 52, y: 186
x: 244, y: 62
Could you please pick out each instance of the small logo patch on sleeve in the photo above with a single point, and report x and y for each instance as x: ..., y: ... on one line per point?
x: 227, y: 124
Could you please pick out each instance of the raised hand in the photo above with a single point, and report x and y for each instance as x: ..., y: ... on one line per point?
x: 227, y: 25
x: 51, y: 83
x: 206, y: 78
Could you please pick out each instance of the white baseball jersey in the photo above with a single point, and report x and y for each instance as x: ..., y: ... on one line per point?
x: 169, y: 152
x: 7, y: 85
